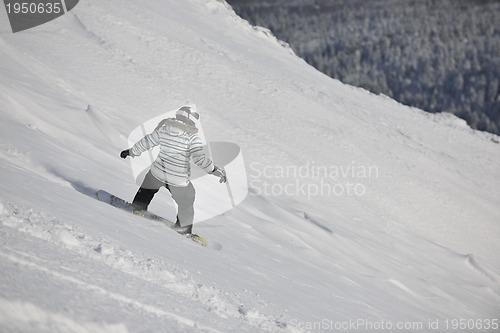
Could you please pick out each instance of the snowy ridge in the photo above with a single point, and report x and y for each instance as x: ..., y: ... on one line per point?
x: 420, y: 244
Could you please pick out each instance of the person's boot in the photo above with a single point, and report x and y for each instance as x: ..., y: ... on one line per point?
x: 187, y: 230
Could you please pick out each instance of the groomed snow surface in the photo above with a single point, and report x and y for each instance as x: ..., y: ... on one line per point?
x: 363, y: 215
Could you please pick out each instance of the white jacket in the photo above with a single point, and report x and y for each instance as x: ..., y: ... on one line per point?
x: 179, y: 143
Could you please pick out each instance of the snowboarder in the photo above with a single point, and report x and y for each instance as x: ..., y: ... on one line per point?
x: 179, y: 143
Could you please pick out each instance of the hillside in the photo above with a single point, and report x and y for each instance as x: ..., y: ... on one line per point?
x: 360, y: 210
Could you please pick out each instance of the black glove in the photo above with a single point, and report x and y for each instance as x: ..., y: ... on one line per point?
x: 125, y: 153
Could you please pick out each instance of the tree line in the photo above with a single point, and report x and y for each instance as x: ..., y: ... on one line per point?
x: 437, y: 55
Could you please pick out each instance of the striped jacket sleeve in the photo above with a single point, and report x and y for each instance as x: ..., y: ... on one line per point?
x: 198, y: 155
x: 146, y: 143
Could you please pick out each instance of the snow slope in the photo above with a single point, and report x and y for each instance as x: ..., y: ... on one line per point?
x: 416, y: 245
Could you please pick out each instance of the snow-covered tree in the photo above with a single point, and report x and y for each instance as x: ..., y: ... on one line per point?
x: 438, y: 55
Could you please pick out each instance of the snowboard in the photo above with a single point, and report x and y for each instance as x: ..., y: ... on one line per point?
x: 120, y: 203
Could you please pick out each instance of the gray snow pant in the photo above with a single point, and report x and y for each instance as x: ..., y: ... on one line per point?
x: 182, y: 195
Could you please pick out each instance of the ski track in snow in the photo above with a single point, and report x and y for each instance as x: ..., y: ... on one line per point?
x: 30, y: 263
x: 104, y: 250
x: 13, y: 318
